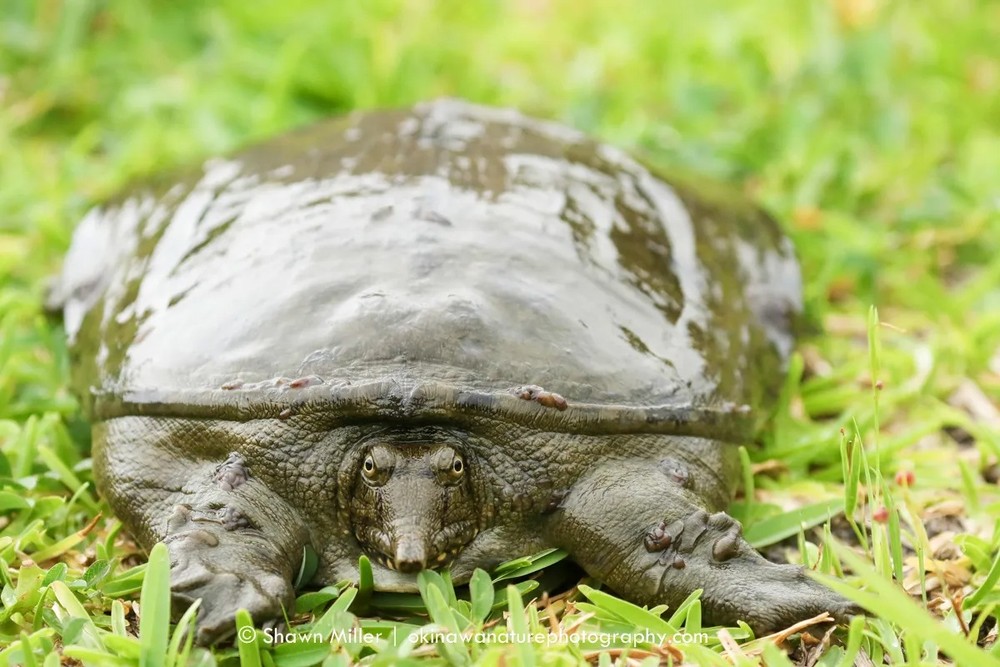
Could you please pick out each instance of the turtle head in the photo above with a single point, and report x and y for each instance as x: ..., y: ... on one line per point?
x: 413, y: 505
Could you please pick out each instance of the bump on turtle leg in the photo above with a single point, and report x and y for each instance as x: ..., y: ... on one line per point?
x: 678, y: 472
x: 232, y: 473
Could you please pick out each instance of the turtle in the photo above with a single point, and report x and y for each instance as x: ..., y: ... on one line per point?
x: 439, y: 337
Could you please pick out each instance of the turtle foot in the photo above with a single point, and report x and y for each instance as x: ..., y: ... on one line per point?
x: 708, y: 551
x: 228, y: 565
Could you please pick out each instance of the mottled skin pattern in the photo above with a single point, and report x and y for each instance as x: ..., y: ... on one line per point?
x: 445, y: 336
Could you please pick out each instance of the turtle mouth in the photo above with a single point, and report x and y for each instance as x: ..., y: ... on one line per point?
x: 389, y: 563
x: 439, y: 551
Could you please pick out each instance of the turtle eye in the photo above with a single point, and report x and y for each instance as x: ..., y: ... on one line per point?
x: 377, y: 465
x: 457, y: 467
x: 448, y: 465
x: 368, y: 467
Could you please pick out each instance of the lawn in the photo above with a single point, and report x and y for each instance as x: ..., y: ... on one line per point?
x: 871, y: 129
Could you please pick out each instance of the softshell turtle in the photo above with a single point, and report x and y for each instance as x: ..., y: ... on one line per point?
x: 444, y: 336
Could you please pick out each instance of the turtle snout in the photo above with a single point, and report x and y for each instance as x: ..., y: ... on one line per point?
x: 410, y: 554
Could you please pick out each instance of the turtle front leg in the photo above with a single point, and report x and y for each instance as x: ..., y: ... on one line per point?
x: 652, y: 541
x: 235, y: 545
x: 233, y: 542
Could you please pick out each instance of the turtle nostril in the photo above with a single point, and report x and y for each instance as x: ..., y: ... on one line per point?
x: 410, y: 555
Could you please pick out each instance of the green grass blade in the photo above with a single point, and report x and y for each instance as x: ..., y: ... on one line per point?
x: 72, y: 606
x: 307, y: 568
x: 325, y: 625
x: 482, y: 595
x: 749, y: 492
x: 118, y: 625
x: 518, y: 625
x: 27, y: 651
x: 246, y: 642
x: 680, y: 614
x: 969, y: 487
x: 632, y: 614
x: 988, y: 586
x: 154, y: 621
x: 65, y: 544
x: 454, y: 649
x: 892, y: 604
x: 366, y: 585
x: 772, y: 529
x: 522, y: 567
x: 126, y: 647
x: 183, y: 637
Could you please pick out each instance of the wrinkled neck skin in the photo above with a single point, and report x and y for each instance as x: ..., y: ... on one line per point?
x: 415, y: 498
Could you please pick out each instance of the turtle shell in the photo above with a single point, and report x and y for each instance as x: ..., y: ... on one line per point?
x: 434, y: 262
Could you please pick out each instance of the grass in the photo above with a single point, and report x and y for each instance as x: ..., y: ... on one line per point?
x: 868, y: 127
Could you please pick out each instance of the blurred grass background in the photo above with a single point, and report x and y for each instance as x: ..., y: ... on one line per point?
x: 870, y: 128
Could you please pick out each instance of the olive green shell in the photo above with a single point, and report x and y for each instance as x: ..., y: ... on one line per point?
x: 429, y: 262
